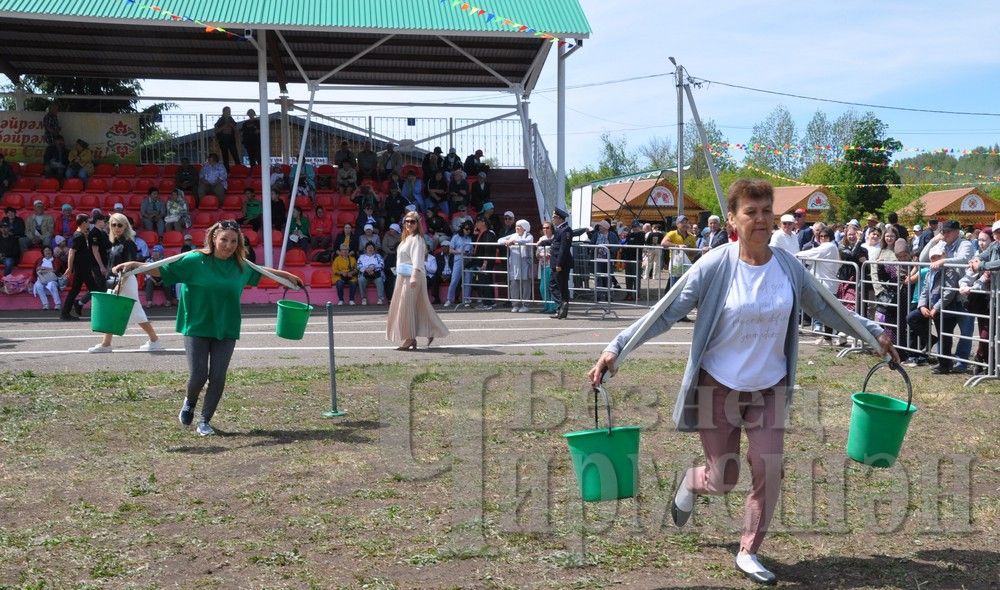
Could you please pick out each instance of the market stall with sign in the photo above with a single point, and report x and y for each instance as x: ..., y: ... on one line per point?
x: 651, y: 199
x: 969, y: 206
x: 818, y: 202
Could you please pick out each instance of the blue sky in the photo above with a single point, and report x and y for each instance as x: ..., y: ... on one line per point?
x: 915, y: 54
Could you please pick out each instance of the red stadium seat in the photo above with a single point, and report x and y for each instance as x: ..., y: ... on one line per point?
x: 169, y: 170
x: 295, y: 257
x: 72, y: 185
x: 134, y: 201
x: 321, y: 279
x: 252, y: 237
x: 302, y: 273
x: 120, y: 185
x: 103, y: 171
x: 96, y: 186
x: 325, y: 200
x: 29, y: 259
x: 346, y: 217
x: 238, y: 171
x: 236, y: 186
x: 34, y: 169
x: 209, y: 202
x: 61, y: 200
x: 15, y: 200
x: 197, y: 236
x: 88, y: 201
x: 149, y: 236
x: 266, y: 283
x: 142, y: 185
x: 173, y: 239
x: 167, y: 186
x: 150, y: 171
x: 203, y: 219
x: 232, y: 203
x: 29, y: 200
x: 24, y: 184
x: 127, y: 170
x: 277, y: 238
x: 49, y: 185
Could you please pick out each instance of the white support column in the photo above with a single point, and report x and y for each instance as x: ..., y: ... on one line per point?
x: 19, y: 95
x: 561, y: 122
x: 265, y: 148
x: 286, y: 131
x: 298, y: 172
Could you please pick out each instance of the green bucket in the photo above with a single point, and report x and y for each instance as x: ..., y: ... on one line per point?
x: 293, y: 317
x: 879, y: 423
x: 606, y: 460
x: 110, y: 313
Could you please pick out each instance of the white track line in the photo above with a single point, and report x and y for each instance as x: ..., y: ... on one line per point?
x: 309, y: 348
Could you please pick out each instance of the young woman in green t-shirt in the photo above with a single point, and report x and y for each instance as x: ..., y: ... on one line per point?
x: 208, y: 311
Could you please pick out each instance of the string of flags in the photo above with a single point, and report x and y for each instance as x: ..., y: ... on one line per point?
x: 209, y: 28
x: 503, y: 22
x: 765, y: 172
x: 788, y: 147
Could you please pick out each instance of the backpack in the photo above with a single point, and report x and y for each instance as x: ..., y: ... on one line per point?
x: 13, y: 284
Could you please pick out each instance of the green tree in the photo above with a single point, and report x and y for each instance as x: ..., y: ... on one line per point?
x: 694, y: 157
x: 819, y: 132
x: 615, y: 157
x: 774, y: 144
x: 869, y: 166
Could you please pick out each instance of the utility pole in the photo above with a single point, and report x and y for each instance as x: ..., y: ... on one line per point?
x: 679, y: 79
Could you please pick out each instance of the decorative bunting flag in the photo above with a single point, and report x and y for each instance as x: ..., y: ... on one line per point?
x: 506, y: 22
x: 177, y: 17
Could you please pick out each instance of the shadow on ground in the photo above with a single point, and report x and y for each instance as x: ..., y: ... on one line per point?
x: 348, y: 431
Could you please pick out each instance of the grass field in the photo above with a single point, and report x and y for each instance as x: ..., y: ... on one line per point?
x: 457, y: 476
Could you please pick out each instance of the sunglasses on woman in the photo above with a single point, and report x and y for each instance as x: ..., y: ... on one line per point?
x: 409, y: 221
x: 117, y: 225
x: 229, y: 224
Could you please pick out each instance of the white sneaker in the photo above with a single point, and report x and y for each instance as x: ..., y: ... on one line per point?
x: 99, y: 348
x: 514, y: 309
x: 364, y: 301
x: 350, y: 302
x: 45, y: 307
x: 381, y: 302
x: 446, y: 304
x: 204, y: 429
x: 340, y: 302
x: 150, y: 346
x: 523, y: 309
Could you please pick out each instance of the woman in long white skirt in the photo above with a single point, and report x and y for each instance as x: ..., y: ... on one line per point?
x: 123, y: 249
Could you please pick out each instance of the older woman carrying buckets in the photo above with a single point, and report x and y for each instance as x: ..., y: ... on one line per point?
x: 741, y: 369
x: 520, y: 265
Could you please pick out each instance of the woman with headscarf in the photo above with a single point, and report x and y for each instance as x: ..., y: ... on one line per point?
x: 520, y: 265
x: 123, y: 249
x: 410, y: 311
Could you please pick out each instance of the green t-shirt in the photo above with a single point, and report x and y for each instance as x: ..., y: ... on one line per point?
x: 253, y: 209
x: 209, y: 303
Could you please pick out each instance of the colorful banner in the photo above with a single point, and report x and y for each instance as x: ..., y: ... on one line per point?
x: 506, y: 23
x: 183, y: 18
x: 112, y: 137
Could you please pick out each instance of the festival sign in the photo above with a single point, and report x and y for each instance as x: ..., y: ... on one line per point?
x: 972, y: 204
x: 818, y: 202
x: 112, y: 137
x: 660, y: 196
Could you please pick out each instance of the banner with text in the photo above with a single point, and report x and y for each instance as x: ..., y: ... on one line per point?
x: 112, y: 137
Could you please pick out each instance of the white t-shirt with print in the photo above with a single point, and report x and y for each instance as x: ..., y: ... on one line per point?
x: 747, y: 351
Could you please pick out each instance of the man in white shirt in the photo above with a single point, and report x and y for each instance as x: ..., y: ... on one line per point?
x: 785, y: 237
x: 824, y: 261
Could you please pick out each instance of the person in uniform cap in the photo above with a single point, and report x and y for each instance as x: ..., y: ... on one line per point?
x: 561, y: 261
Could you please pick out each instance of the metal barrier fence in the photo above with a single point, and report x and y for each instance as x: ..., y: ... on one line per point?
x: 168, y: 137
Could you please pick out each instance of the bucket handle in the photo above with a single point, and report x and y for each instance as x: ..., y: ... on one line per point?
x: 303, y: 289
x: 899, y: 369
x: 599, y: 390
x: 117, y: 289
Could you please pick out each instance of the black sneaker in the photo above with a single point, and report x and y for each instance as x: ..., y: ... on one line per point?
x: 186, y: 416
x: 69, y: 318
x: 941, y: 369
x: 78, y: 308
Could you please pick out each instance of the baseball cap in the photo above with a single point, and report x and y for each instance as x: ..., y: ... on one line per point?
x: 996, y: 226
x: 508, y: 214
x: 395, y: 227
x: 917, y: 227
x: 937, y: 250
x: 369, y: 226
x: 67, y: 207
x: 487, y: 206
x: 119, y: 206
x: 950, y: 225
x: 437, y: 150
x: 787, y: 218
x: 158, y: 248
x: 680, y: 218
x: 482, y: 175
x: 445, y: 242
x: 854, y: 222
x: 60, y: 240
x: 37, y: 202
x: 800, y: 211
x: 188, y: 237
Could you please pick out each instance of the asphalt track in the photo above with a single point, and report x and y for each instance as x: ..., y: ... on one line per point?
x: 39, y: 341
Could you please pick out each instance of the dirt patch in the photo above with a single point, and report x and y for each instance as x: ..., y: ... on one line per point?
x: 456, y: 475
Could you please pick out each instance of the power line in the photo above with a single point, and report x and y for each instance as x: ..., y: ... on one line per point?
x: 845, y: 102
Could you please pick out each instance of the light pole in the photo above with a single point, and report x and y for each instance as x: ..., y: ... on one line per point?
x: 679, y: 79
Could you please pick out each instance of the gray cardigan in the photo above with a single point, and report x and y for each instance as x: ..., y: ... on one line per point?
x: 705, y: 286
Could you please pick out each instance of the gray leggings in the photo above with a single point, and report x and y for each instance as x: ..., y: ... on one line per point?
x: 208, y: 360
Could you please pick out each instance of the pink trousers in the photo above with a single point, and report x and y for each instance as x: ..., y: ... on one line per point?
x: 724, y: 413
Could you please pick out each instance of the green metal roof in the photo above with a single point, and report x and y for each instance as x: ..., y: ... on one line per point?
x: 558, y: 17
